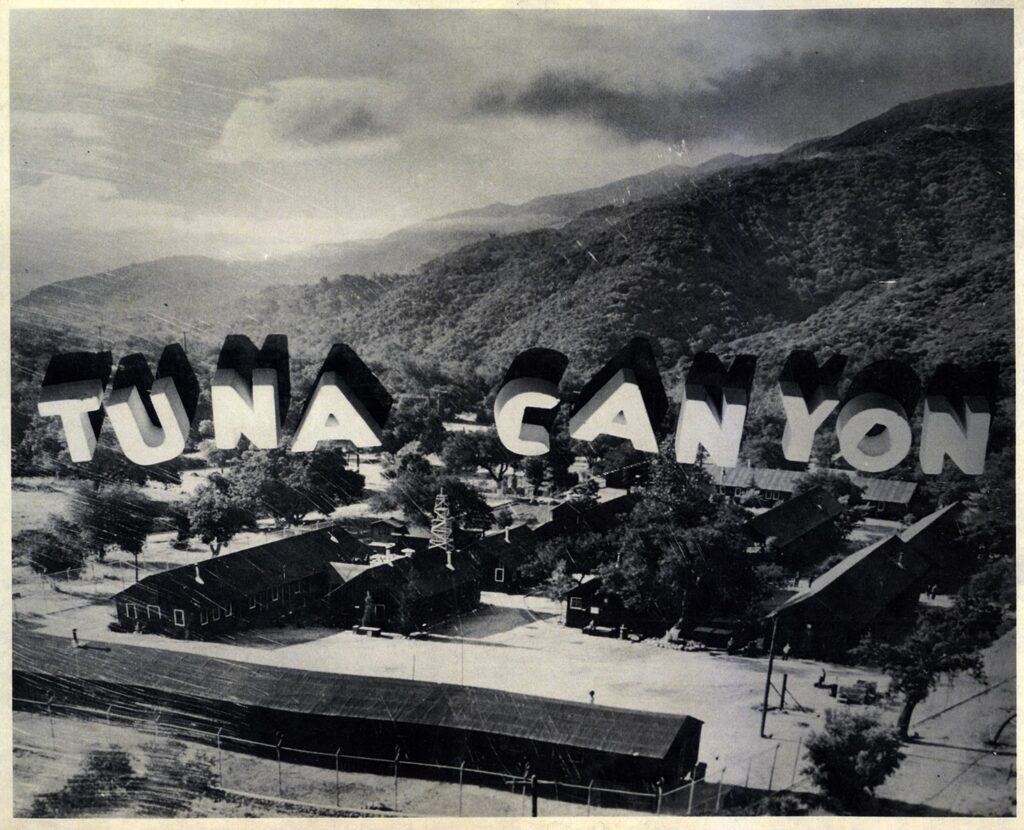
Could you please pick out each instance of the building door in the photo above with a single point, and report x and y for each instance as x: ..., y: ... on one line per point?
x: 380, y: 615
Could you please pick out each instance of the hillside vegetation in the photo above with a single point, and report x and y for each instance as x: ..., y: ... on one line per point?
x: 919, y: 199
x: 893, y: 238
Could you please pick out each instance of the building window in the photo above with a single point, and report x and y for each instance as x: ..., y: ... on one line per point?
x: 153, y: 612
x: 229, y: 610
x: 499, y: 574
x: 216, y: 613
x: 275, y: 594
x: 576, y: 603
x: 204, y: 616
x: 179, y: 617
x: 595, y: 610
x: 132, y: 611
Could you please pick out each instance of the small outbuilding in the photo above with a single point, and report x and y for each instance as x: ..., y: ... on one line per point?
x: 586, y: 606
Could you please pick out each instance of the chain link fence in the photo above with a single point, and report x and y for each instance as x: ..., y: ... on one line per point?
x: 344, y: 779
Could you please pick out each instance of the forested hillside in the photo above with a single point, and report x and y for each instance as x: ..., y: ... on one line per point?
x: 916, y: 197
x: 893, y: 238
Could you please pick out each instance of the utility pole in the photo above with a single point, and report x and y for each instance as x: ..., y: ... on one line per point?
x: 768, y: 679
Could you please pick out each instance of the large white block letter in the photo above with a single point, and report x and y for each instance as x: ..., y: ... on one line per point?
x: 809, y: 395
x: 243, y: 408
x: 72, y: 403
x: 513, y: 399
x: 616, y: 409
x: 141, y: 440
x: 702, y: 423
x: 959, y: 432
x: 335, y: 413
x: 714, y: 409
x: 873, y: 431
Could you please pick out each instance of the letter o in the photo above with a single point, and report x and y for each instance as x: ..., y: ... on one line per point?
x: 879, y: 452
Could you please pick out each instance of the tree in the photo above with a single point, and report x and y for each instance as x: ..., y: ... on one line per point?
x: 289, y: 485
x: 535, y: 470
x: 215, y: 517
x: 53, y: 549
x: 944, y: 643
x: 852, y: 756
x: 116, y: 516
x: 570, y: 553
x: 414, y: 419
x: 413, y: 490
x: 465, y: 451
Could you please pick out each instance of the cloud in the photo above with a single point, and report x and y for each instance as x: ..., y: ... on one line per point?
x: 777, y: 98
x: 304, y: 117
x: 57, y: 126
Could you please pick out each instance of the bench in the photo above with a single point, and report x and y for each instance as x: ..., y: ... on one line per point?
x: 367, y: 629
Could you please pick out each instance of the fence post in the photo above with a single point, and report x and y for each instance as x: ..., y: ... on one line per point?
x: 337, y: 777
x: 220, y: 760
x: 771, y: 775
x: 782, y: 694
x: 657, y: 803
x: 689, y: 802
x: 533, y: 795
x: 796, y: 761
x: 111, y: 706
x: 398, y: 750
x: 49, y: 711
x: 526, y: 775
x: 156, y: 726
x: 280, y: 780
x: 462, y: 769
x: 746, y: 784
x: 718, y: 798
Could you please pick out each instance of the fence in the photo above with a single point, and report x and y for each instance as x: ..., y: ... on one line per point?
x: 336, y: 780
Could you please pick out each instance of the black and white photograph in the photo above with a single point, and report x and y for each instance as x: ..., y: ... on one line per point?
x: 516, y: 412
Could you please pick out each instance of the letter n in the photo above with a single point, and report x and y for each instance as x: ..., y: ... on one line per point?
x: 250, y: 392
x: 714, y: 409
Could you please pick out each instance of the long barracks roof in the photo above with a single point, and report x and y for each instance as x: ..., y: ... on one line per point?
x: 862, y: 583
x: 796, y: 517
x: 245, y: 572
x: 602, y: 728
x: 784, y: 481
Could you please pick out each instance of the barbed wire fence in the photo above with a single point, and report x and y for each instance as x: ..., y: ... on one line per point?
x: 281, y: 772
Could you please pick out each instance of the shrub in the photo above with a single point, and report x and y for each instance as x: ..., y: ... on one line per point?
x: 852, y: 756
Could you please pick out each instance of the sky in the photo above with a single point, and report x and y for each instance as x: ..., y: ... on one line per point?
x: 247, y: 134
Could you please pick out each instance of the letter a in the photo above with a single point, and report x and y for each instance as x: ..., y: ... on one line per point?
x: 347, y: 404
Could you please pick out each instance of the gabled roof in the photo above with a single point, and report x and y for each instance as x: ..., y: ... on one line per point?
x: 233, y: 575
x: 585, y: 725
x: 795, y: 518
x: 587, y: 585
x: 390, y: 522
x: 347, y: 571
x: 784, y: 481
x: 597, y: 519
x: 864, y: 583
x: 423, y: 574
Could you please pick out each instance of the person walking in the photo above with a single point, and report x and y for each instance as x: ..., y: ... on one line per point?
x: 785, y: 652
